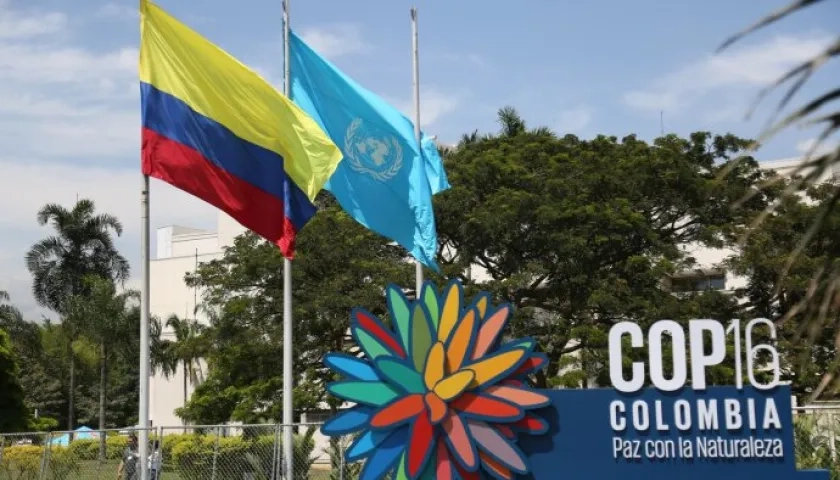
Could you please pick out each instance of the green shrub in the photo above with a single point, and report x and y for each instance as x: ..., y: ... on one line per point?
x: 193, y: 456
x: 88, y: 448
x: 23, y: 462
x: 813, y: 443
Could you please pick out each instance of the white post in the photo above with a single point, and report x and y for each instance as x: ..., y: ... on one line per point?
x: 418, y: 272
x: 288, y: 378
x: 143, y: 447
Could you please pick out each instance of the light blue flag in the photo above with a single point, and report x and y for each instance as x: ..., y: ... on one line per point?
x: 386, y: 180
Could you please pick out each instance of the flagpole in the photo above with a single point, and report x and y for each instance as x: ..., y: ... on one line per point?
x: 418, y: 267
x: 288, y: 378
x: 143, y: 441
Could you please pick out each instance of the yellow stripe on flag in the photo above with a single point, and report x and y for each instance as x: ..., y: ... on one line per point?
x: 177, y: 60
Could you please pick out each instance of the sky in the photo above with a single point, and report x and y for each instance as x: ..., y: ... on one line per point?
x: 69, y: 94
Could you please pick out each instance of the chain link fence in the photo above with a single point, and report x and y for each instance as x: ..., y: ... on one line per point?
x: 816, y: 430
x: 206, y: 452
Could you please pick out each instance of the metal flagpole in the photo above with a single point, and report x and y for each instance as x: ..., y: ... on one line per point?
x: 288, y: 378
x: 143, y: 422
x: 416, y: 62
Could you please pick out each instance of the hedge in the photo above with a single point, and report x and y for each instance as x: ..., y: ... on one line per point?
x: 192, y: 456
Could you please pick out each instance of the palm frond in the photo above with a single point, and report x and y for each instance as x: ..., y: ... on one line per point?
x: 769, y: 19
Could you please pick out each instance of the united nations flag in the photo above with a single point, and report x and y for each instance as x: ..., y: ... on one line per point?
x: 386, y: 180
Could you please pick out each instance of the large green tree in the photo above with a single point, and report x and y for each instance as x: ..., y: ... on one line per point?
x: 82, y: 245
x: 338, y: 265
x: 578, y: 234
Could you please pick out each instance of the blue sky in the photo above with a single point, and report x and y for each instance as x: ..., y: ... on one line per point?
x: 69, y: 97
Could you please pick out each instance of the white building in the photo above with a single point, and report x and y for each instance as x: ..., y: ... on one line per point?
x: 179, y: 251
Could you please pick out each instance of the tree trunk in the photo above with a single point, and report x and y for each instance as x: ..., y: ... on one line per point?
x: 71, y: 395
x: 103, y: 386
x: 186, y: 385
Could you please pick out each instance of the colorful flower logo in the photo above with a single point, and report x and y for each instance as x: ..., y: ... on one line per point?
x: 442, y: 395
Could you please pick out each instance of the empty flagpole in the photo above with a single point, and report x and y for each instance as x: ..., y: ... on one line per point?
x: 288, y: 378
x: 418, y: 278
x: 143, y: 414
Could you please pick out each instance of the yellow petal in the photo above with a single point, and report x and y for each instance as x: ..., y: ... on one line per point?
x: 481, y: 305
x: 456, y: 350
x: 492, y: 366
x: 453, y: 385
x: 450, y: 312
x: 434, y: 366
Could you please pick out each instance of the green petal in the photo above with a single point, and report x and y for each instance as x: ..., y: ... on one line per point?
x: 421, y: 337
x: 401, y: 474
x: 371, y: 346
x: 527, y: 344
x: 430, y: 298
x: 400, y: 313
x: 399, y: 373
x: 374, y: 394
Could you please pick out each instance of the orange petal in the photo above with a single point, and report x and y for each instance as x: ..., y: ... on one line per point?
x: 495, y: 365
x: 456, y: 349
x: 399, y: 411
x: 490, y: 331
x: 453, y: 385
x: 433, y: 372
x: 481, y: 305
x: 437, y: 407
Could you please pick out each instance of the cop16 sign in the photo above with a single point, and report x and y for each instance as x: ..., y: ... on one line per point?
x: 700, y: 427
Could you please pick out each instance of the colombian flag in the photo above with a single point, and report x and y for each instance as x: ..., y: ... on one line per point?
x: 215, y: 129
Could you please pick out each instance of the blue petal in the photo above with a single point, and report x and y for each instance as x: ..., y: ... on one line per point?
x: 351, y: 366
x: 365, y: 443
x: 348, y: 421
x: 386, y: 455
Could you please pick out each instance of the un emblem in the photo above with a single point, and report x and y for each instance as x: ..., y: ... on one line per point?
x: 372, y: 152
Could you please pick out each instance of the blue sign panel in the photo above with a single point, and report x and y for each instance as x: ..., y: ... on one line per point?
x: 720, y: 432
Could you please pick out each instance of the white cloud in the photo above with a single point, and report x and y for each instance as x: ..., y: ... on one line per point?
x: 14, y: 25
x: 118, y: 11
x: 434, y: 104
x: 338, y: 40
x: 573, y: 120
x: 70, y: 125
x: 753, y: 66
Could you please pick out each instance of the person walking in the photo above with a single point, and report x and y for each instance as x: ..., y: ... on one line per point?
x: 128, y: 469
x: 155, y: 461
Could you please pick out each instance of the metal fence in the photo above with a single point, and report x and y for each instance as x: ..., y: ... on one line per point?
x: 255, y: 452
x: 213, y: 452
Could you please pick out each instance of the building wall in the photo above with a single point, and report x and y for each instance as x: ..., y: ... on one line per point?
x: 179, y: 251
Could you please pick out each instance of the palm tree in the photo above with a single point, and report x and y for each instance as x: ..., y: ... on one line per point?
x: 102, y: 315
x: 822, y: 110
x: 81, y: 245
x: 186, y: 351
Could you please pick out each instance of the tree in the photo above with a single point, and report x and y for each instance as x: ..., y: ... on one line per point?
x: 811, y: 366
x: 14, y: 416
x: 186, y: 351
x: 82, y: 245
x: 339, y: 264
x: 579, y: 234
x: 102, y: 316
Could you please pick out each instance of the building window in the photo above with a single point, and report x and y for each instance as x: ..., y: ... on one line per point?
x: 699, y: 282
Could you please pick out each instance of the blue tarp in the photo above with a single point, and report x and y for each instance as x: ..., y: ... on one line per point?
x: 78, y: 434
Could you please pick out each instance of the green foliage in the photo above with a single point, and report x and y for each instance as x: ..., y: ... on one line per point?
x: 194, y: 456
x: 813, y: 438
x: 809, y: 349
x: 23, y: 462
x: 579, y: 234
x: 14, y: 416
x: 88, y: 448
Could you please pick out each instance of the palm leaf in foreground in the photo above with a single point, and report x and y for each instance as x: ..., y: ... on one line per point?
x: 823, y: 295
